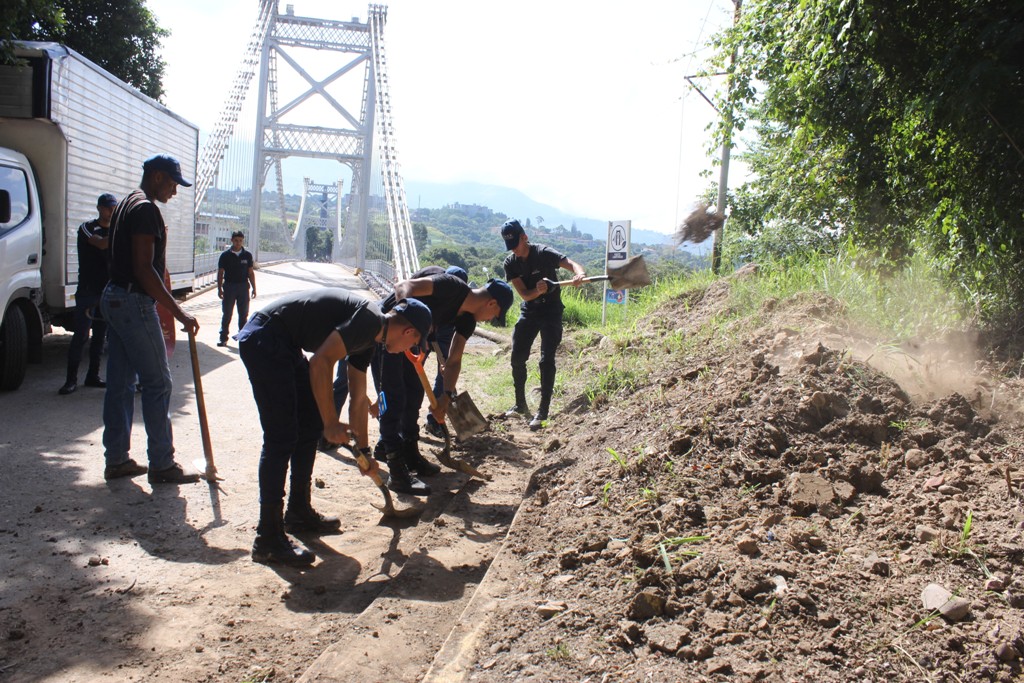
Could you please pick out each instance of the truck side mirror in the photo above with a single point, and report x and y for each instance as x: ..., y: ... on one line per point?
x: 5, y: 206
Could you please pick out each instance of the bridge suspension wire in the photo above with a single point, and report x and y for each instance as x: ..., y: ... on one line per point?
x: 406, y: 259
x: 216, y: 144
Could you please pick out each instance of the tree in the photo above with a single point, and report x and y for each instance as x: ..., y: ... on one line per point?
x: 122, y: 36
x: 895, y: 124
x: 444, y: 257
x: 13, y: 17
x: 419, y: 236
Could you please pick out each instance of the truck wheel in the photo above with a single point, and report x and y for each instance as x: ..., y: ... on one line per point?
x: 13, y: 349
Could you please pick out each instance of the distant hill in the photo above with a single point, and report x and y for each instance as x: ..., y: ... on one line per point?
x: 428, y: 195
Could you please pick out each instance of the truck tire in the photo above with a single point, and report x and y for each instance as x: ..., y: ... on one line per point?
x: 13, y: 349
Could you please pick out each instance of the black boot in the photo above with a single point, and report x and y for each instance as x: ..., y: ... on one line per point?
x: 520, y: 408
x: 401, y: 481
x: 272, y: 545
x: 302, y: 517
x: 547, y: 387
x: 415, y: 461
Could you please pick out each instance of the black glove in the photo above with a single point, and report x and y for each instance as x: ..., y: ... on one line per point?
x: 553, y: 287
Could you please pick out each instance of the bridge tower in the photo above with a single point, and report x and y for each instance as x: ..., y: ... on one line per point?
x: 360, y: 135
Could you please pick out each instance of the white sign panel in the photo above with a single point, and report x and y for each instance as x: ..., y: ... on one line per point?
x: 618, y: 251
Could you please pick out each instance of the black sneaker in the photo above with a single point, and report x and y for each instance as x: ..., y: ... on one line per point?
x: 222, y: 342
x: 94, y: 381
x: 517, y: 409
x: 415, y: 461
x: 128, y: 468
x: 172, y: 475
x: 434, y: 429
x: 538, y: 421
x: 401, y: 481
x: 68, y: 388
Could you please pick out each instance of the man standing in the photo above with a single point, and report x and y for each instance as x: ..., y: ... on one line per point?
x: 138, y: 241
x: 236, y: 283
x: 295, y: 398
x: 533, y: 270
x: 93, y: 259
x: 451, y: 302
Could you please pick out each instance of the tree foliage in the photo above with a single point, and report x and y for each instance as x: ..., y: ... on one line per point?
x: 895, y: 124
x: 122, y: 36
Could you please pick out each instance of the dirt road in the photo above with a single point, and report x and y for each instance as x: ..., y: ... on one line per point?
x: 121, y: 581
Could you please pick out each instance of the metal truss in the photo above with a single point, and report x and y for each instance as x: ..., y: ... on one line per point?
x: 319, y: 203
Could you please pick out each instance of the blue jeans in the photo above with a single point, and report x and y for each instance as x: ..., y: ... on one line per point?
x: 279, y: 375
x: 84, y: 303
x: 135, y: 348
x: 236, y: 294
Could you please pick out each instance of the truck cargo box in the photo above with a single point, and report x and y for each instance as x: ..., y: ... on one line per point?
x: 87, y: 132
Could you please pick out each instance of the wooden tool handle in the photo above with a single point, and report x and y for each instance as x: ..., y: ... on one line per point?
x: 197, y: 378
x: 422, y: 374
x: 592, y: 278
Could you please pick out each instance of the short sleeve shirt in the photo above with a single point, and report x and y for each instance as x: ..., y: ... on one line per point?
x: 93, y: 262
x: 444, y: 303
x: 541, y: 262
x: 236, y: 267
x: 135, y: 215
x: 308, y: 318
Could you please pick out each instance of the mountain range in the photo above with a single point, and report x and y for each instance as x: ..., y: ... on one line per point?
x: 511, y: 202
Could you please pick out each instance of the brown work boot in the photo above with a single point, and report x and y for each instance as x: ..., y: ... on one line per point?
x: 128, y: 468
x: 172, y: 475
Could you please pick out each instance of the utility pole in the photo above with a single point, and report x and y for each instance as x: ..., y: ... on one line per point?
x: 723, y: 179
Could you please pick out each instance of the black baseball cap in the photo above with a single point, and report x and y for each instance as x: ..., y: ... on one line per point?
x: 106, y: 199
x: 510, y: 232
x: 167, y: 164
x: 418, y: 315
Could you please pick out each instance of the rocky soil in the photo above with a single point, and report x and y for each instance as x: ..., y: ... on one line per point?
x: 760, y: 503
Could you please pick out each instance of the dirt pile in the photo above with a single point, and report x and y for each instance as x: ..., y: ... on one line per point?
x: 769, y: 508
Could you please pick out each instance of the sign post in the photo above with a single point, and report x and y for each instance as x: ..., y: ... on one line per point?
x: 617, y: 252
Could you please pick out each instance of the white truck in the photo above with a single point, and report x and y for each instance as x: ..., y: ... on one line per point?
x: 70, y: 131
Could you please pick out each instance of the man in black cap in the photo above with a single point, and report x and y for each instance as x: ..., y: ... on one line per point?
x: 451, y: 302
x: 533, y: 270
x: 295, y: 397
x: 236, y: 283
x: 138, y: 242
x: 93, y: 260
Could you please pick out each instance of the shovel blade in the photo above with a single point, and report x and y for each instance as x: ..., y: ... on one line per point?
x: 466, y: 417
x: 631, y: 274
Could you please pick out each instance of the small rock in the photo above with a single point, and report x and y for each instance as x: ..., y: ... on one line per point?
x: 95, y: 561
x: 876, y: 565
x: 735, y: 600
x: 551, y: 608
x: 319, y: 483
x: 948, y: 490
x: 646, y: 605
x: 926, y: 534
x: 934, y: 482
x: 718, y: 665
x: 552, y: 445
x: 667, y: 638
x: 807, y: 491
x: 1005, y: 652
x: 915, y: 459
x: 994, y: 584
x: 935, y: 597
x: 200, y: 648
x: 747, y: 545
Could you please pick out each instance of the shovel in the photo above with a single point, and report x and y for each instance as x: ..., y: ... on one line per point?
x: 445, y: 455
x: 465, y: 416
x: 388, y: 509
x: 631, y: 274
x: 207, y: 470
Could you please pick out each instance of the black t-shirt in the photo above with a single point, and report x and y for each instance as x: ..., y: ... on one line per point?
x: 308, y: 318
x: 93, y: 262
x: 449, y: 294
x: 235, y: 266
x: 541, y: 262
x: 135, y: 215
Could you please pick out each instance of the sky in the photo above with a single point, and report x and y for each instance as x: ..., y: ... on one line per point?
x: 582, y: 106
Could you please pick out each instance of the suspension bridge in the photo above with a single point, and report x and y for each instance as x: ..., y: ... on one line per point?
x: 320, y: 92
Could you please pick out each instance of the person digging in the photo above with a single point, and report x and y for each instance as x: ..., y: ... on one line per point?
x: 295, y: 398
